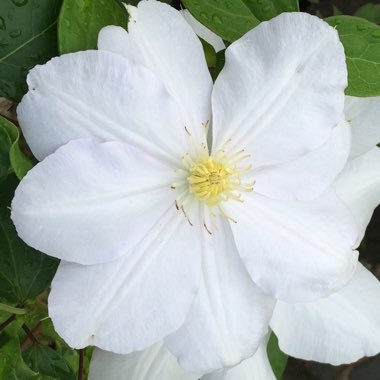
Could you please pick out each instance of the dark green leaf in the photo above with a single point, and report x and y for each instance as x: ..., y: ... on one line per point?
x: 5, y: 146
x: 220, y: 61
x: 18, y: 161
x: 361, y: 41
x: 336, y: 11
x: 24, y: 272
x: 48, y: 362
x: 276, y: 357
x: 267, y: 9
x: 230, y: 19
x: 369, y: 11
x: 210, y: 53
x: 80, y: 22
x: 28, y: 37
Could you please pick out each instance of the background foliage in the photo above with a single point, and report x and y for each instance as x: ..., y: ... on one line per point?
x: 33, y: 31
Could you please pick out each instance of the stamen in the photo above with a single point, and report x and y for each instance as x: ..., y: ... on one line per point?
x: 205, y: 226
x: 187, y: 131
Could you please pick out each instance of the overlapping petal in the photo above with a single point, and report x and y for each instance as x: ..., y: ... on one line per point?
x: 364, y: 116
x: 280, y: 92
x: 230, y: 314
x: 309, y: 176
x: 92, y: 202
x: 101, y: 95
x: 154, y: 363
x: 206, y: 34
x: 339, y: 329
x: 295, y: 251
x: 256, y: 367
x: 159, y: 38
x: 359, y: 187
x: 132, y: 302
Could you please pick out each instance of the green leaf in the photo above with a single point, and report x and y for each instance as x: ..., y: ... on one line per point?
x: 369, y: 11
x: 24, y: 272
x: 17, y: 159
x: 28, y: 37
x: 267, y: 9
x: 277, y: 358
x: 81, y: 20
x: 361, y: 41
x: 210, y: 53
x: 48, y: 362
x: 12, y: 365
x: 220, y: 61
x: 230, y: 19
x: 5, y: 146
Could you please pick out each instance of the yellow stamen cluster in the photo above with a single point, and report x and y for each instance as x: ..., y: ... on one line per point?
x: 210, y: 181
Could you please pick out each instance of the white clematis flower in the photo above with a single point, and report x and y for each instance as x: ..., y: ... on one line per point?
x: 345, y: 326
x: 162, y: 236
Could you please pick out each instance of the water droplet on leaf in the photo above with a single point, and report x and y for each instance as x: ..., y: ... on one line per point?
x: 376, y: 33
x: 217, y: 20
x: 15, y: 33
x: 204, y: 15
x: 361, y: 28
x: 20, y: 3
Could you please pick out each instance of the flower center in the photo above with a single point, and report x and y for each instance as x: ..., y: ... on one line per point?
x: 211, y: 180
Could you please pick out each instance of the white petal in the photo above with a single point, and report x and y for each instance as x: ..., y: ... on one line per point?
x: 230, y: 314
x: 281, y: 90
x: 159, y: 38
x: 359, y: 187
x: 134, y: 301
x: 295, y: 251
x: 102, y: 95
x: 364, y: 115
x: 154, y: 363
x: 308, y: 176
x: 206, y: 34
x: 91, y: 202
x: 339, y: 329
x: 256, y: 367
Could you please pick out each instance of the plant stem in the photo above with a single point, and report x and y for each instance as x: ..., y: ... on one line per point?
x: 80, y: 368
x: 30, y: 334
x: 28, y: 340
x: 8, y: 321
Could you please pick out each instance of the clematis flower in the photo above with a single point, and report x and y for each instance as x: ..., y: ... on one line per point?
x: 345, y: 326
x: 161, y: 235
